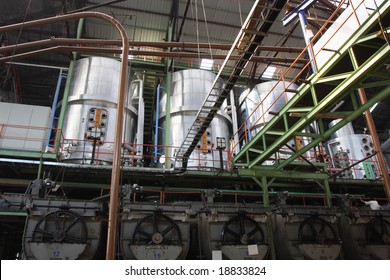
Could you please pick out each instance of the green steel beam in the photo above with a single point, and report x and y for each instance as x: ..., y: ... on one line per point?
x: 351, y: 81
x: 27, y: 154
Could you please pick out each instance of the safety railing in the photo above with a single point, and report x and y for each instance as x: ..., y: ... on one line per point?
x: 86, y: 151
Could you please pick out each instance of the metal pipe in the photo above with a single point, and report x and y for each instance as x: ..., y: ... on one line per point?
x: 114, y: 198
x: 178, y: 45
x: 156, y: 124
x: 54, y: 106
x: 146, y: 53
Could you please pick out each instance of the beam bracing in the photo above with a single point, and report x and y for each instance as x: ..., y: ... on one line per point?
x: 323, y: 98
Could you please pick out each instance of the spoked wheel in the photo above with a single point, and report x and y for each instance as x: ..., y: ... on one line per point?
x: 378, y: 231
x: 157, y: 229
x: 241, y: 230
x: 62, y: 226
x: 317, y: 230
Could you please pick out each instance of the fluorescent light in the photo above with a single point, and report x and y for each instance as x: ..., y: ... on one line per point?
x: 373, y: 107
x: 206, y: 64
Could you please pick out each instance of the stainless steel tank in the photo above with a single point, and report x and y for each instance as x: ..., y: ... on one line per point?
x: 89, y: 125
x: 347, y: 148
x: 189, y: 89
x: 271, y: 99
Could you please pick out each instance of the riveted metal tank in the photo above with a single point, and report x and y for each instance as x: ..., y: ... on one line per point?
x: 189, y: 89
x: 89, y: 125
x: 271, y: 98
x: 347, y: 148
x: 54, y: 231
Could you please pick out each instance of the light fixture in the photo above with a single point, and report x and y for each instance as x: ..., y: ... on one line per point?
x: 373, y: 107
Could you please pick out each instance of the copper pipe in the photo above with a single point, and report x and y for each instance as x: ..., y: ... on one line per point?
x: 81, y: 49
x: 376, y: 142
x: 180, y: 45
x: 115, y: 174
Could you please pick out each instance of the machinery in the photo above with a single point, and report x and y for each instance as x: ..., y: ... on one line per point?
x: 150, y: 231
x: 365, y: 232
x: 352, y: 154
x: 63, y: 230
x: 89, y: 126
x: 307, y: 233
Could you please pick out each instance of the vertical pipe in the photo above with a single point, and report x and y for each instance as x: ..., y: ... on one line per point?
x: 168, y: 89
x: 308, y: 37
x: 54, y: 106
x: 235, y: 121
x: 64, y: 104
x: 141, y: 118
x: 115, y: 174
x: 373, y: 132
x: 157, y: 124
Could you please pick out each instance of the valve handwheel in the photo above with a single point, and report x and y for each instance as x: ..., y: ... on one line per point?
x: 62, y: 226
x: 242, y: 230
x: 157, y: 229
x: 316, y: 230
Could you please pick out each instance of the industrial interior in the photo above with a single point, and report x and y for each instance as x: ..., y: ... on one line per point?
x: 195, y: 129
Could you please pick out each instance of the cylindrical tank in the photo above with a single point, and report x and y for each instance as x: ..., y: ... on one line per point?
x: 346, y: 148
x: 89, y: 125
x: 189, y: 89
x: 271, y: 98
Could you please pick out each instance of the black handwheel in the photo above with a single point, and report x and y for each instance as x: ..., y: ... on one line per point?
x: 378, y: 231
x: 241, y: 230
x: 156, y: 229
x: 316, y: 230
x: 62, y: 226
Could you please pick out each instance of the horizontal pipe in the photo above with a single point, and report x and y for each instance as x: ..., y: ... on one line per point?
x: 180, y: 45
x: 97, y: 50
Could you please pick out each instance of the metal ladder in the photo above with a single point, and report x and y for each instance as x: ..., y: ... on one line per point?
x: 247, y: 41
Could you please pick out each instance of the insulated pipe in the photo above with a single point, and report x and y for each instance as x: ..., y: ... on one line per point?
x: 114, y: 188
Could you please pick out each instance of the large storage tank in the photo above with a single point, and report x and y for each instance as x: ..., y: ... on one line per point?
x: 90, y: 118
x: 271, y: 98
x: 347, y: 148
x: 189, y: 89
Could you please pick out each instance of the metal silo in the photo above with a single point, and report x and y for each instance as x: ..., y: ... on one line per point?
x: 89, y: 125
x: 189, y: 89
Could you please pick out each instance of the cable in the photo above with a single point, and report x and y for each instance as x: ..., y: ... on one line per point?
x: 17, y: 41
x: 207, y: 30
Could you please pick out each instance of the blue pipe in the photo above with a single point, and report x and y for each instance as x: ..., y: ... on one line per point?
x: 156, y: 125
x: 55, y: 101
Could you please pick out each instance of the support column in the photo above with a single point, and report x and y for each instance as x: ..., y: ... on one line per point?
x: 373, y: 132
x: 168, y: 91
